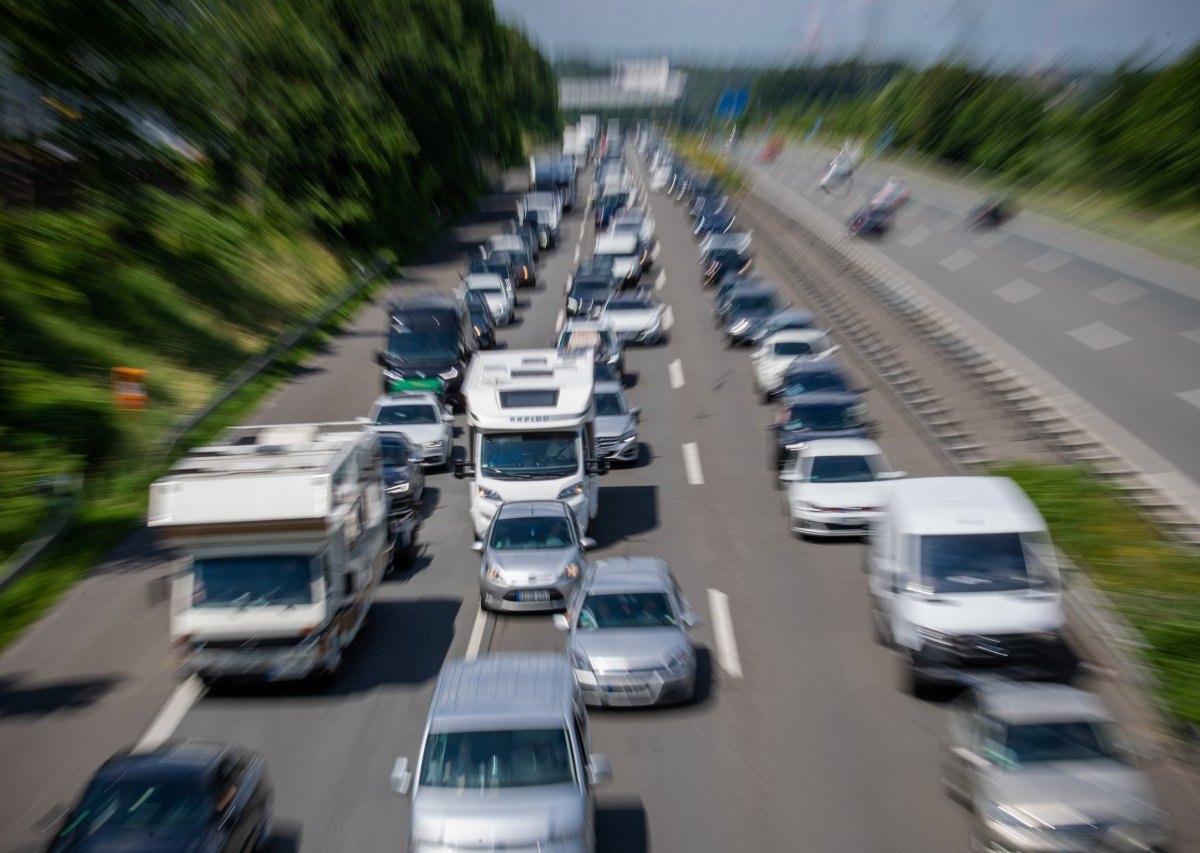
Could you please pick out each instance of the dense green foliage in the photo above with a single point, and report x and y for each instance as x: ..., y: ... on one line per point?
x: 226, y: 157
x: 1135, y: 131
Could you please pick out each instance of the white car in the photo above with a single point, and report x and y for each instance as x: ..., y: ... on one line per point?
x: 635, y: 316
x: 640, y: 216
x: 496, y: 292
x: 779, y: 350
x: 835, y: 486
x: 420, y: 417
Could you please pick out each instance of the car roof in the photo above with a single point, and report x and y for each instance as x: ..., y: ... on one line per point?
x: 406, y: 398
x: 842, y: 447
x: 1017, y: 702
x: 524, y: 509
x: 794, y: 313
x: 428, y: 299
x: 177, y: 759
x: 964, y: 505
x: 823, y: 398
x: 503, y: 688
x: 608, y: 387
x: 755, y: 289
x: 477, y: 278
x: 793, y: 335
x: 628, y: 574
x: 825, y: 365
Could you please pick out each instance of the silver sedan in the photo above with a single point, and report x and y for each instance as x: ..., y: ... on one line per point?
x: 533, y: 557
x: 628, y: 638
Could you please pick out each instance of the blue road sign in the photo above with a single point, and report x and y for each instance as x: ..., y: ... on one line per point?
x: 732, y: 104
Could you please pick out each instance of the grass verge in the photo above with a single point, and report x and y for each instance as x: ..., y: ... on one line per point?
x: 700, y: 156
x: 115, y: 503
x: 1154, y: 583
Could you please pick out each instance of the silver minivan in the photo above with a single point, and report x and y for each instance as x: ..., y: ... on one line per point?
x: 506, y: 762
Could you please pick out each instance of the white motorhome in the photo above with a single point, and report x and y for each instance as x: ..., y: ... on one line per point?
x: 962, y: 575
x: 531, y: 436
x: 283, y: 538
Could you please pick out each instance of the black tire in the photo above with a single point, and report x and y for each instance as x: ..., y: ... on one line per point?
x: 911, y: 682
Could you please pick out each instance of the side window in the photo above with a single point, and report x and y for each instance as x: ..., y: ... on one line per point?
x: 579, y: 740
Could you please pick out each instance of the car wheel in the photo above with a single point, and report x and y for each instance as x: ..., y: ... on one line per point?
x: 911, y: 682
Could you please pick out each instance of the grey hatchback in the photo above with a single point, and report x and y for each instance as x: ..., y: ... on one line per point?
x: 628, y: 636
x: 533, y: 557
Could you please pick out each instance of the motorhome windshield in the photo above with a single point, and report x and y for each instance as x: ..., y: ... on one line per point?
x: 252, y: 581
x: 529, y: 455
x: 983, y: 562
x: 484, y: 761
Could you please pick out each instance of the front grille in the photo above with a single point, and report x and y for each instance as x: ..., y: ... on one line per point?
x: 996, y: 649
x: 533, y: 595
x: 607, y: 445
x: 250, y: 645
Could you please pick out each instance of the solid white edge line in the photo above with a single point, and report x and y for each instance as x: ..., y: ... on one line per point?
x: 675, y: 372
x: 691, y: 464
x: 727, y: 652
x: 558, y: 321
x: 171, y: 714
x: 476, y: 635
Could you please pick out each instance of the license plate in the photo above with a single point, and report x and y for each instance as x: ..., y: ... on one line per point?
x: 534, y: 595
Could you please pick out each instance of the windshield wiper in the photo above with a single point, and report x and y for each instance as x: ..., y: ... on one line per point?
x: 265, y: 599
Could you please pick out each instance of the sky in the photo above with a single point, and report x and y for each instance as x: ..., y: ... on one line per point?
x: 767, y: 31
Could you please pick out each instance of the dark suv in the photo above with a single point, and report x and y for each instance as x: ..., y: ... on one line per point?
x: 429, y: 342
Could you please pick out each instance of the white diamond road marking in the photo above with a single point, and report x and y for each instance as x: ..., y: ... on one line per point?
x: 1017, y: 291
x: 1193, y: 335
x: 1098, y: 336
x: 947, y: 223
x: 1119, y: 292
x: 959, y: 259
x: 915, y: 237
x: 1192, y: 397
x: 989, y: 241
x: 1050, y: 261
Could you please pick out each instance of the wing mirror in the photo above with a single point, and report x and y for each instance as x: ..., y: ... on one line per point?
x: 362, y: 420
x: 560, y: 622
x: 599, y: 770
x: 636, y: 411
x: 965, y: 756
x: 401, y: 778
x: 477, y: 545
x: 381, y: 358
x: 463, y: 469
x: 691, y: 619
x: 891, y: 475
x: 587, y: 542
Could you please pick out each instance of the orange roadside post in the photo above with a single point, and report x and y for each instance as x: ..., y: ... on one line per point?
x: 129, y: 388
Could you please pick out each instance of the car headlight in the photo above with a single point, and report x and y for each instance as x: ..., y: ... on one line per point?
x: 489, y: 494
x: 629, y: 436
x: 449, y: 373
x: 579, y: 660
x: 678, y: 661
x: 739, y: 327
x: 493, y: 573
x: 936, y: 637
x: 569, y: 492
x: 801, y: 505
x: 571, y: 570
x: 399, y: 488
x: 1005, y: 815
x: 432, y: 444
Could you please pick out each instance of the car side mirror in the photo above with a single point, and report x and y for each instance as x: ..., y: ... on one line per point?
x: 891, y: 475
x: 691, y: 619
x: 463, y: 469
x: 381, y: 358
x: 447, y: 418
x: 599, y: 770
x: 790, y: 477
x: 477, y: 545
x: 965, y: 756
x: 560, y: 622
x: 587, y: 542
x: 362, y: 420
x: 636, y: 411
x: 401, y: 778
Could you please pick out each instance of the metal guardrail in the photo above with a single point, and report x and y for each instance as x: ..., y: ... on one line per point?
x: 59, y: 522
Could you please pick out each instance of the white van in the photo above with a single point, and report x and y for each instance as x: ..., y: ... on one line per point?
x: 506, y: 762
x: 962, y: 576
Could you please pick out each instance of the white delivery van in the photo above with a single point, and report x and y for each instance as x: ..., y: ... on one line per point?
x: 962, y: 577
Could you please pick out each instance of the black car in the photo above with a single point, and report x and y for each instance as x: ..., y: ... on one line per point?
x: 588, y: 293
x: 811, y: 417
x: 748, y: 308
x: 718, y: 222
x: 529, y: 237
x: 597, y: 265
x: 404, y: 477
x: 788, y: 318
x: 522, y: 263
x: 827, y: 376
x: 718, y: 263
x: 429, y: 342
x: 871, y: 219
x: 547, y: 238
x: 483, y: 324
x: 608, y: 205
x: 181, y: 796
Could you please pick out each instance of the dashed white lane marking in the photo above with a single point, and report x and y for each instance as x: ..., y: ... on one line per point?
x: 1193, y: 335
x: 915, y: 237
x: 1017, y: 291
x: 988, y: 241
x: 958, y: 260
x: 727, y: 651
x: 675, y: 372
x: 660, y: 280
x: 1050, y: 261
x: 558, y: 321
x: 947, y: 223
x: 691, y: 464
x: 1098, y: 336
x: 1119, y: 292
x: 1192, y: 397
x: 668, y: 318
x: 575, y: 260
x: 476, y: 635
x: 171, y: 714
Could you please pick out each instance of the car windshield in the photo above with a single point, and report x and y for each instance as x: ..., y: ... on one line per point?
x: 529, y: 455
x: 627, y: 305
x: 626, y: 610
x: 1030, y: 743
x: 753, y: 304
x: 610, y: 404
x: 614, y: 200
x: 807, y: 383
x: 436, y: 343
x: 251, y: 581
x: 532, y: 533
x: 793, y: 348
x: 397, y: 453
x: 975, y: 562
x: 128, y: 803
x: 843, y: 469
x: 593, y: 290
x: 485, y: 761
x: 628, y: 227
x: 407, y: 414
x: 826, y: 416
x: 605, y: 372
x: 727, y: 257
x: 596, y: 263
